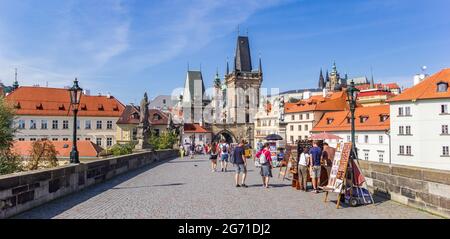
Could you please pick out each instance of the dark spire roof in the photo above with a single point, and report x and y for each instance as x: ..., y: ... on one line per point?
x: 260, y: 65
x: 327, y: 79
x: 321, y: 80
x: 243, y: 61
x: 16, y: 83
x: 372, y: 83
x: 228, y: 67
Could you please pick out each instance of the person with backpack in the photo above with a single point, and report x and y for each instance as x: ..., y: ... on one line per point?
x: 192, y: 150
x: 265, y: 160
x: 224, y: 153
x: 213, y: 154
x: 240, y: 162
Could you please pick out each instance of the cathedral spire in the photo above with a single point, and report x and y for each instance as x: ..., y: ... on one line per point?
x: 243, y: 61
x: 260, y: 65
x: 16, y: 83
x: 321, y: 80
x: 228, y: 68
x: 372, y: 83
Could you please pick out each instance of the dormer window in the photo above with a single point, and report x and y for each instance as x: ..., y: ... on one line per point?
x: 363, y: 119
x: 135, y: 116
x: 115, y: 108
x: 349, y: 120
x: 442, y: 87
x: 17, y: 105
x: 330, y: 120
x: 383, y: 118
x: 100, y: 107
x: 83, y: 107
x: 157, y: 117
x: 61, y: 107
x: 39, y: 106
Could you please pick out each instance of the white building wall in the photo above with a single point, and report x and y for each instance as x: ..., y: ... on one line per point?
x: 60, y: 133
x: 292, y: 131
x: 426, y: 140
x: 200, y: 138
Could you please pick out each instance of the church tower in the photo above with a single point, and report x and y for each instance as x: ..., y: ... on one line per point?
x: 334, y: 79
x: 243, y: 85
x: 321, y: 80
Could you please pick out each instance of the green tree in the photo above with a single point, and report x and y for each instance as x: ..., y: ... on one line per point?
x: 9, y: 161
x: 165, y: 140
x: 122, y: 149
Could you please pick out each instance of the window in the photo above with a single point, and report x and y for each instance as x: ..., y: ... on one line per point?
x: 330, y: 120
x: 408, y: 111
x: 445, y: 129
x: 400, y: 111
x: 65, y: 124
x: 78, y: 124
x: 108, y: 142
x: 65, y: 139
x: 301, y: 116
x: 349, y: 138
x: 442, y: 87
x: 356, y: 138
x: 134, y: 135
x: 32, y: 139
x: 54, y: 124
x: 247, y: 119
x: 307, y: 116
x: 363, y: 119
x: 380, y: 157
x: 200, y: 137
x: 380, y: 139
x: 299, y: 138
x: 408, y: 130
x: 402, y: 150
x: 32, y: 124
x: 87, y: 124
x: 306, y: 127
x: 292, y: 128
x: 164, y: 101
x: 299, y: 128
x: 99, y: 141
x: 445, y: 151
x: 401, y: 130
x: 269, y: 124
x: 21, y: 139
x: 383, y: 118
x: 408, y: 150
x: 292, y: 139
x: 43, y: 124
x: 87, y: 139
x: 306, y: 136
x: 109, y: 124
x: 349, y: 120
x: 366, y: 139
x: 444, y: 109
x: 292, y: 117
x: 366, y: 155
x: 99, y: 124
x: 21, y: 124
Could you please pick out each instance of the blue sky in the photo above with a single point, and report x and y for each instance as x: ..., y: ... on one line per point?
x: 128, y: 47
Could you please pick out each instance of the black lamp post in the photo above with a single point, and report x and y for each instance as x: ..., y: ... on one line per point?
x: 75, y: 96
x: 352, y: 93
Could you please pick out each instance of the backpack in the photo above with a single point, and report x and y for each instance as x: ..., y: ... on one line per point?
x: 262, y: 159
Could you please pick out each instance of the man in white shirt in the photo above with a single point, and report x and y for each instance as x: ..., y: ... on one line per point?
x: 303, y: 169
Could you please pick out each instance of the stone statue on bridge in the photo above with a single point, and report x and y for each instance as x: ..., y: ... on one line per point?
x: 143, y: 129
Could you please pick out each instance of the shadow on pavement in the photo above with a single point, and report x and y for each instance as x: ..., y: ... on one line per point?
x: 161, y: 185
x: 189, y: 161
x: 54, y: 208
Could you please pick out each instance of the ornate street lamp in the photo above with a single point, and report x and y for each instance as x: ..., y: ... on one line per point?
x: 75, y: 96
x: 352, y: 93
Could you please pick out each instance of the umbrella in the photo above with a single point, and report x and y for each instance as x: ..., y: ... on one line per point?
x: 324, y: 136
x: 273, y: 137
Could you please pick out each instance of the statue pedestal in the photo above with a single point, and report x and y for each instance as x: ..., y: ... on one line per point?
x: 142, y: 137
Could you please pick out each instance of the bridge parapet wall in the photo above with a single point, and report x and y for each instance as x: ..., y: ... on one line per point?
x: 23, y: 191
x: 422, y: 188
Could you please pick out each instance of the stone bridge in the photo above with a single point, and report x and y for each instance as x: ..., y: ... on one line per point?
x: 161, y: 186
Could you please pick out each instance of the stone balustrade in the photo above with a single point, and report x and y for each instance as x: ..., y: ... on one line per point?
x: 422, y: 188
x: 22, y: 191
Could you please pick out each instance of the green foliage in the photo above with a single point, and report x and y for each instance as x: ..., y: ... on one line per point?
x: 293, y: 100
x: 165, y: 140
x: 122, y: 149
x: 9, y: 163
x: 6, y: 125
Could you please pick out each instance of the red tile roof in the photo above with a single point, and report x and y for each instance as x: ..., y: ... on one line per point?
x: 337, y: 121
x: 378, y: 86
x: 374, y: 93
x: 427, y: 89
x: 131, y: 115
x: 86, y: 148
x: 195, y: 128
x: 56, y: 102
x: 334, y: 101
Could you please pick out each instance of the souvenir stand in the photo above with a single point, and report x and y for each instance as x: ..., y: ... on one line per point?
x: 273, y: 147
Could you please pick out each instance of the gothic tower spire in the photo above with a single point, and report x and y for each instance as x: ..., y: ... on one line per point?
x: 243, y: 60
x: 321, y: 80
x: 16, y: 83
x: 260, y: 65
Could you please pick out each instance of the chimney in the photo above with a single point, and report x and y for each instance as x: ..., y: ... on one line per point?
x: 324, y: 92
x: 306, y: 95
x: 108, y: 95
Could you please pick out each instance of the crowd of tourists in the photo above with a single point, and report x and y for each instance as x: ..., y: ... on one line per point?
x: 311, y: 161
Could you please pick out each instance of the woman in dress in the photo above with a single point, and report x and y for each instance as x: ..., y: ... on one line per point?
x: 213, y: 153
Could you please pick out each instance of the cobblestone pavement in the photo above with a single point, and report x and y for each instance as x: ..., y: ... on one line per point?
x: 185, y: 188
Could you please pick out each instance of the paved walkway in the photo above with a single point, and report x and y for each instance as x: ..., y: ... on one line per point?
x: 184, y: 188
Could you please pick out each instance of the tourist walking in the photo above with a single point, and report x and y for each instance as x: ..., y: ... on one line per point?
x: 192, y: 151
x: 224, y: 153
x: 265, y: 161
x: 303, y: 169
x: 314, y: 161
x: 181, y: 151
x: 213, y: 153
x: 240, y: 162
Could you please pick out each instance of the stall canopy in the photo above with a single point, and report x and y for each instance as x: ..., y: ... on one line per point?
x: 325, y: 136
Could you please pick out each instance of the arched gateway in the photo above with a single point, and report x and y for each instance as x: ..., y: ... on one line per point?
x: 225, y: 135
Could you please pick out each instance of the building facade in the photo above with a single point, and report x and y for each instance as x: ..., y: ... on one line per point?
x: 372, y: 126
x: 420, y: 120
x: 45, y: 113
x: 196, y: 134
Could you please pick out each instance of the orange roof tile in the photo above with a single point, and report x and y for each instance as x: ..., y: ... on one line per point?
x: 86, y: 148
x: 56, y: 102
x: 195, y: 128
x: 378, y: 86
x: 334, y: 101
x: 337, y: 121
x: 427, y: 89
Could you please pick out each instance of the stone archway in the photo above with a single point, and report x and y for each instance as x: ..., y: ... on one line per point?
x: 225, y: 135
